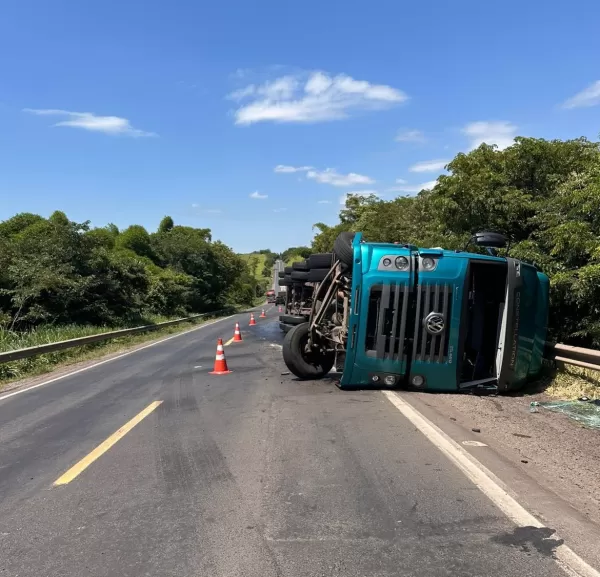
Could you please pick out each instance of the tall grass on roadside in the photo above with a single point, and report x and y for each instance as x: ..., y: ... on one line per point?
x: 571, y: 382
x: 11, y: 340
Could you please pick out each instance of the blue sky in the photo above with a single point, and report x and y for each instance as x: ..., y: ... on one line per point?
x: 256, y: 118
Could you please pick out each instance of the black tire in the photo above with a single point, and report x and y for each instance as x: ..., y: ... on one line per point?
x: 288, y: 270
x: 285, y: 328
x: 292, y: 319
x: 320, y: 260
x: 342, y: 247
x: 304, y: 365
x: 317, y: 274
x: 300, y: 275
x: 281, y: 274
x: 285, y: 282
x: 300, y: 265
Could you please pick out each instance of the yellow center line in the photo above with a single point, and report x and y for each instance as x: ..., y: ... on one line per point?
x: 228, y: 342
x: 82, y: 465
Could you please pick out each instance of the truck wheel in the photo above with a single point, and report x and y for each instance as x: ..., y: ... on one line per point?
x: 342, y: 247
x: 304, y: 364
x: 300, y: 275
x: 320, y: 260
x: 300, y: 265
x: 317, y: 274
x: 292, y: 319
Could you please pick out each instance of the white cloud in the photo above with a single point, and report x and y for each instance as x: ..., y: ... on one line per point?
x: 590, y: 96
x: 289, y: 169
x: 410, y: 136
x: 345, y: 196
x: 258, y: 196
x: 500, y: 133
x: 89, y: 121
x: 429, y: 166
x: 279, y: 209
x: 331, y: 176
x: 411, y: 189
x: 311, y: 97
x: 195, y: 205
x: 323, y: 202
x: 400, y: 181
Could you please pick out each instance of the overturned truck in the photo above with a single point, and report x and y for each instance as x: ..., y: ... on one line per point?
x: 396, y: 315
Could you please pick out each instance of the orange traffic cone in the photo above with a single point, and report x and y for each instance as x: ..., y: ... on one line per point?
x: 262, y: 315
x: 220, y: 362
x: 237, y: 335
x: 252, y: 321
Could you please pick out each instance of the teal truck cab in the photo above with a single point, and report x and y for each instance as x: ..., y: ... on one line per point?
x: 429, y: 319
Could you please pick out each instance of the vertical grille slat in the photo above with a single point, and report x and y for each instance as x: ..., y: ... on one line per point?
x: 393, y: 335
x: 384, y: 304
x: 426, y: 311
x: 445, y: 312
x: 418, y: 323
x: 434, y: 307
x: 404, y: 314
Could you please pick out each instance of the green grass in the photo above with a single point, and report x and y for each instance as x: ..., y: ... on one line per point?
x: 257, y: 264
x: 40, y: 364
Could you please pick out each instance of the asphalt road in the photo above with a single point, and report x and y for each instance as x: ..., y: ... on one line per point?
x: 247, y: 474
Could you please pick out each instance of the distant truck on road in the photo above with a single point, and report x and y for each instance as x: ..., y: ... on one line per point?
x: 427, y: 319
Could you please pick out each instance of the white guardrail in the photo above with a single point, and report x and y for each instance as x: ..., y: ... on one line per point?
x: 15, y: 355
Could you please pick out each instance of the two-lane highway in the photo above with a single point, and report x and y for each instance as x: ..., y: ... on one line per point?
x: 247, y: 474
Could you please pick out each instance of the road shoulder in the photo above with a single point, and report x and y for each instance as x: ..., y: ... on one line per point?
x: 551, y: 464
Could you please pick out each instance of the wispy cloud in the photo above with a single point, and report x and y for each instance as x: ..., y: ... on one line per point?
x: 500, y: 133
x: 400, y: 181
x: 590, y: 96
x: 331, y: 176
x: 429, y: 166
x: 258, y: 196
x: 311, y: 97
x: 413, y: 188
x: 362, y: 193
x: 323, y: 202
x: 410, y: 136
x: 113, y: 125
x: 289, y: 169
x: 279, y: 209
x: 206, y: 210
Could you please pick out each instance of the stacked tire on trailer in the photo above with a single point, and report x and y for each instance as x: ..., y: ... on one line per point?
x: 300, y: 280
x: 308, y: 352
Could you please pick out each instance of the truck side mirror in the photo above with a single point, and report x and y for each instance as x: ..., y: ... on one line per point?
x: 489, y: 239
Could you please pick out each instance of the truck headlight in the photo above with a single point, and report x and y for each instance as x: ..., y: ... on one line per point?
x: 389, y: 380
x: 428, y: 263
x: 375, y: 378
x: 401, y: 263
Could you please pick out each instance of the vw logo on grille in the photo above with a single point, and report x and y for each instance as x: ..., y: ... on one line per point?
x: 434, y: 323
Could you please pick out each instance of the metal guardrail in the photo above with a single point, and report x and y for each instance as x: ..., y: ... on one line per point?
x: 577, y: 356
x: 62, y: 345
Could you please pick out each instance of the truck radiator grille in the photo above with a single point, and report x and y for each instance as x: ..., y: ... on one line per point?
x: 386, y: 322
x: 427, y: 347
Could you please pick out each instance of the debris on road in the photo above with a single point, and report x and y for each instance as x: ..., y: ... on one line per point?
x: 585, y: 411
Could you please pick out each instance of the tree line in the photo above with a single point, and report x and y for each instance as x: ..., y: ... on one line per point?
x: 544, y: 195
x: 56, y: 271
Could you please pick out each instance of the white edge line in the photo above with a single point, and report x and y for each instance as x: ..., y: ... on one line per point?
x: 489, y: 485
x: 24, y: 390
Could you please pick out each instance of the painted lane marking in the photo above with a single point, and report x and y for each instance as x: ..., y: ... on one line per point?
x: 489, y: 485
x: 474, y: 444
x: 228, y: 342
x: 18, y: 392
x: 82, y: 465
